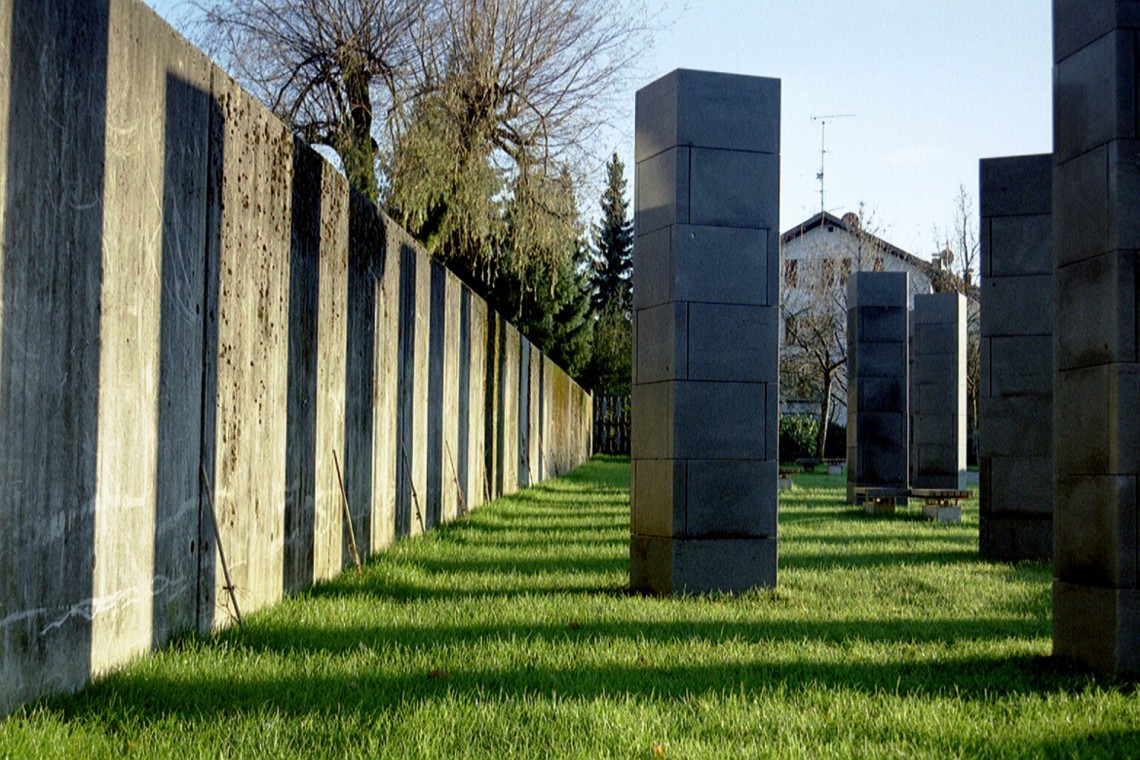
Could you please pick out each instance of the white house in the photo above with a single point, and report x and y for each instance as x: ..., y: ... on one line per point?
x: 816, y: 258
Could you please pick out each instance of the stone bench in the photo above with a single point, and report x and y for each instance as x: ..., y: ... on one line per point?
x: 941, y: 504
x: 879, y: 500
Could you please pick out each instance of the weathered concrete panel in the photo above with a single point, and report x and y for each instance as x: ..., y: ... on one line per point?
x: 153, y: 285
x: 492, y: 403
x: 318, y: 297
x: 412, y: 390
x: 451, y: 488
x: 507, y: 472
x: 550, y: 418
x: 51, y: 266
x: 528, y: 437
x: 478, y: 484
x: 370, y: 446
x: 561, y: 433
x: 384, y: 274
x: 254, y: 177
x: 443, y: 390
x: 533, y: 456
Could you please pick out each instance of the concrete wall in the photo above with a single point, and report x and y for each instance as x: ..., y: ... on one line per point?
x: 938, y: 391
x: 195, y: 310
x: 507, y: 472
x: 473, y: 335
x: 318, y: 341
x: 705, y: 337
x: 530, y: 413
x: 1015, y: 397
x: 443, y: 488
x: 1096, y: 379
x: 877, y: 384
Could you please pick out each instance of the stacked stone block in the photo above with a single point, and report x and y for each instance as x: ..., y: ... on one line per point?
x: 938, y: 392
x: 877, y: 391
x: 706, y: 299
x: 1096, y: 382
x: 1015, y: 398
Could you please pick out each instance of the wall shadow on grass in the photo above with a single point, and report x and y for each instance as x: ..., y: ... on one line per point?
x: 368, y: 684
x: 339, y: 669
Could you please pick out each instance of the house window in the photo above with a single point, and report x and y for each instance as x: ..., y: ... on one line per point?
x: 878, y: 263
x: 790, y: 274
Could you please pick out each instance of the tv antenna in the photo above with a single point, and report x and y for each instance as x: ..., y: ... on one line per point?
x: 823, y: 149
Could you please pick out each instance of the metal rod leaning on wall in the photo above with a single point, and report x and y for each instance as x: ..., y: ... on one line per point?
x: 412, y: 486
x: 347, y: 514
x: 221, y: 552
x: 455, y: 478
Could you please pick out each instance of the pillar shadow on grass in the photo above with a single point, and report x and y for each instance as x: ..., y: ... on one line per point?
x: 380, y: 667
x: 372, y: 684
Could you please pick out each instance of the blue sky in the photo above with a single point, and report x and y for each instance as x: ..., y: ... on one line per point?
x: 935, y: 85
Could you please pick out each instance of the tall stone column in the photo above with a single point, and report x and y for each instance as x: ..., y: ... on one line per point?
x: 877, y: 383
x: 706, y: 301
x: 938, y: 402
x: 1096, y: 413
x: 1015, y: 397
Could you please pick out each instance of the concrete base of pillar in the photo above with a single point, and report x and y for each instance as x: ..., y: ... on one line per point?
x: 664, y: 566
x: 1097, y: 627
x: 1016, y: 538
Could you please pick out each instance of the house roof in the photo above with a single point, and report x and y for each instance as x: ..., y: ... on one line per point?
x: 852, y: 227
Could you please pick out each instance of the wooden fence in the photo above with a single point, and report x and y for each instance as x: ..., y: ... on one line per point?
x: 611, y: 424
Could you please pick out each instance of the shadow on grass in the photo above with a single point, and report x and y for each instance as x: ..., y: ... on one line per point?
x: 369, y: 686
x: 367, y: 669
x: 851, y: 559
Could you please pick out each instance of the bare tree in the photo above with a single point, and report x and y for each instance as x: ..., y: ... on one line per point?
x: 327, y: 68
x: 815, y: 340
x: 963, y: 247
x: 505, y: 94
x: 462, y: 105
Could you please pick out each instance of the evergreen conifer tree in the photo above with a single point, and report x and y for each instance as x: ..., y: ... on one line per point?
x: 613, y: 243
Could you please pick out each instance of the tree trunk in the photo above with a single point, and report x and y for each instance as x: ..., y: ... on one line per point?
x: 357, y: 151
x: 824, y: 416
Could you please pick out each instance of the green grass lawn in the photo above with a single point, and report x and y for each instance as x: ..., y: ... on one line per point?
x: 512, y: 634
